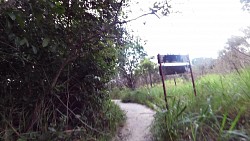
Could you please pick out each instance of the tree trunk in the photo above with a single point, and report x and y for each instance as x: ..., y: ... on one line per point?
x: 131, y: 82
x: 150, y: 79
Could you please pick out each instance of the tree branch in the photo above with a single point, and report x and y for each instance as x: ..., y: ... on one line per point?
x: 138, y: 17
x: 241, y: 52
x: 69, y: 59
x: 84, y: 123
x: 9, y: 45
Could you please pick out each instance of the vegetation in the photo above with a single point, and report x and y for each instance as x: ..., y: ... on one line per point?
x: 146, y: 69
x: 128, y: 61
x: 219, y: 112
x: 58, y: 58
x: 55, y: 58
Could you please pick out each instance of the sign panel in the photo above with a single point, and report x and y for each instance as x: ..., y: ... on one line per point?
x: 170, y: 70
x: 172, y: 58
x: 174, y: 69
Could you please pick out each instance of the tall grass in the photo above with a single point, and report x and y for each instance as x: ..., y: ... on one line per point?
x: 118, y: 93
x: 220, y: 111
x: 111, y: 118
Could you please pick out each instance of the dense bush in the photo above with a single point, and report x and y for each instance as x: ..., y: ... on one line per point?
x: 55, y: 58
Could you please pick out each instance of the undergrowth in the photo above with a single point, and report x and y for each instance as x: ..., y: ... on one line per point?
x: 118, y: 93
x: 104, y: 129
x: 220, y: 111
x: 114, y: 118
x: 143, y: 97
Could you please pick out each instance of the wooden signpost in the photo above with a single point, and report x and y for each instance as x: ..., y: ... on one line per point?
x: 176, y: 69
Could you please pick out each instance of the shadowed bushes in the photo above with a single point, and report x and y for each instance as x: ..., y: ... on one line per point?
x: 55, y: 62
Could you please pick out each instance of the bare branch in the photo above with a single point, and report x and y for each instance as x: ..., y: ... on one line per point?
x: 88, y: 126
x: 241, y: 52
x: 138, y: 17
x: 9, y: 45
x: 65, y: 63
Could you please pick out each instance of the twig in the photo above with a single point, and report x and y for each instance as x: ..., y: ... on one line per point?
x: 90, y: 127
x: 117, y: 22
x: 8, y: 45
x: 241, y: 52
x: 12, y: 128
x: 138, y: 17
x: 69, y: 59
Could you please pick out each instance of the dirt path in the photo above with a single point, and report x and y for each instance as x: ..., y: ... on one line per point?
x: 137, y: 124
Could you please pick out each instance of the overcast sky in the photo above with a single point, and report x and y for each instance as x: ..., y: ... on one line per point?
x: 200, y: 28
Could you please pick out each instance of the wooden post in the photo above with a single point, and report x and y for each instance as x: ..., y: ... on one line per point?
x: 192, y: 75
x: 163, y: 81
x: 174, y: 81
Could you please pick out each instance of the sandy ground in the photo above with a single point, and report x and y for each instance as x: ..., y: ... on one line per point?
x: 138, y: 122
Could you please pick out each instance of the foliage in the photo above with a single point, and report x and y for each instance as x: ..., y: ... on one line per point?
x: 147, y: 66
x: 129, y: 58
x: 202, y: 66
x: 118, y: 93
x: 113, y: 118
x: 55, y: 58
x: 246, y: 5
x: 235, y: 55
x: 146, y: 69
x: 150, y: 100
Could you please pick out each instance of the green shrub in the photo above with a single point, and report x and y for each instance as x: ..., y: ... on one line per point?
x: 117, y: 93
x: 143, y: 97
x: 55, y: 62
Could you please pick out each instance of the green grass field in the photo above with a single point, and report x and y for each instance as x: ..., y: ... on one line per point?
x: 220, y: 111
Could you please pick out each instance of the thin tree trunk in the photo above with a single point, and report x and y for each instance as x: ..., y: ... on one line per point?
x: 150, y: 79
x: 66, y: 62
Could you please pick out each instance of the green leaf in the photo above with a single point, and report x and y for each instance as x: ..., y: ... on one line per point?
x: 9, y: 25
x: 34, y: 49
x: 24, y: 41
x: 233, y: 125
x: 20, y: 21
x: 53, y: 48
x: 12, y: 16
x: 223, y: 122
x: 58, y: 3
x: 183, y: 109
x: 58, y: 8
x: 45, y: 42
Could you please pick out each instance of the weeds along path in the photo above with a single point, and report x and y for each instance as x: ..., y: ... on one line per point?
x: 137, y: 125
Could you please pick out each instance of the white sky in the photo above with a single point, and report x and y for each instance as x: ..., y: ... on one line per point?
x: 201, y: 28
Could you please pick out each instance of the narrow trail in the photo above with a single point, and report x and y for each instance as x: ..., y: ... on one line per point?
x: 137, y: 125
